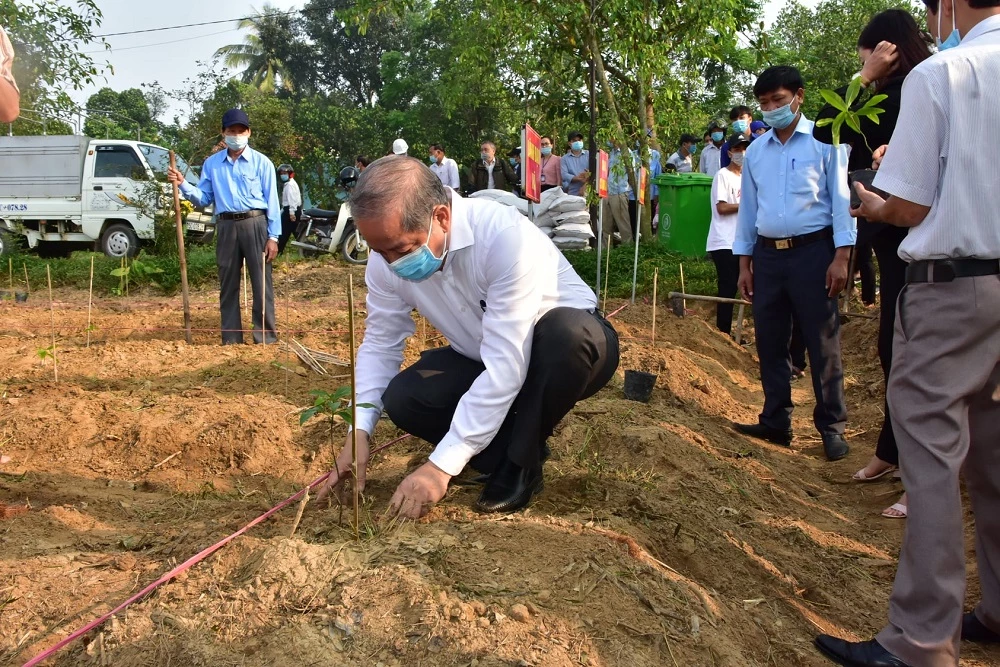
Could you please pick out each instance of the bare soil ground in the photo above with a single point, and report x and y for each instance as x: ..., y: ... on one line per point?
x: 662, y: 537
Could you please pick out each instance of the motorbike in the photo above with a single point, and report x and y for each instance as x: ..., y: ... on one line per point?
x: 322, y: 230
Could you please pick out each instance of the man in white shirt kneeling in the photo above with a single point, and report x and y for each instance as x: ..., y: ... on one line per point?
x: 526, y: 341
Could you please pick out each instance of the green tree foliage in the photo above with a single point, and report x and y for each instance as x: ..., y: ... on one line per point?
x: 51, y: 42
x: 265, y: 50
x: 822, y: 42
x: 120, y: 115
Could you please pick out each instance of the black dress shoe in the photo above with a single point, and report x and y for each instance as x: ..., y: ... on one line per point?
x: 510, y: 488
x: 856, y: 654
x: 772, y: 435
x: 835, y: 446
x: 973, y: 630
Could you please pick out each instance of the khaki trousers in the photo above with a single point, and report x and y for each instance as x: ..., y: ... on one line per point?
x: 944, y: 396
x: 616, y: 217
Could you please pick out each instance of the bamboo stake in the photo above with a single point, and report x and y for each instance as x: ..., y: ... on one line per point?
x: 27, y: 285
x: 684, y: 304
x: 182, y: 255
x: 246, y: 307
x: 354, y: 410
x: 10, y: 271
x: 287, y: 320
x: 263, y: 298
x: 739, y: 325
x: 52, y: 314
x: 90, y: 299
x: 607, y: 265
x: 656, y: 276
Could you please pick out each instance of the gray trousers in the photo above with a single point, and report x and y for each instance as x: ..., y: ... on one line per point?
x: 792, y: 283
x: 236, y: 241
x: 616, y: 217
x: 944, y: 395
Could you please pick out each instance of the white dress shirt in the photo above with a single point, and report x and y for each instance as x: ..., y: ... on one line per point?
x: 291, y: 196
x: 496, y: 257
x: 710, y: 161
x: 953, y: 98
x: 447, y: 171
x: 491, y: 184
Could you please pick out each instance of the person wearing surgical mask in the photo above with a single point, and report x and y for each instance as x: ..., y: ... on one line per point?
x: 241, y: 184
x: 740, y: 118
x: 681, y: 161
x: 526, y: 341
x: 711, y: 158
x: 726, y: 190
x: 551, y: 165
x: 489, y: 173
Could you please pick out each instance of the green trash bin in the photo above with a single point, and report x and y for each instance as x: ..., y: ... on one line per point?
x: 685, y: 212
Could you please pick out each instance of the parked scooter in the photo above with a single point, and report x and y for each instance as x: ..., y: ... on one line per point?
x: 322, y: 230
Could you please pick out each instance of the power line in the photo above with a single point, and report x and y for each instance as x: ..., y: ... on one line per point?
x: 173, y: 41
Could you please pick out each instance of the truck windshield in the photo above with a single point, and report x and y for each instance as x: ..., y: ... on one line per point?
x: 159, y: 159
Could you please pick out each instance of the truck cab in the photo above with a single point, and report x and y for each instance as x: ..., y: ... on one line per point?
x: 69, y: 192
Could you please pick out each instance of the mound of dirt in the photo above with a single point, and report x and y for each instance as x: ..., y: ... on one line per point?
x: 662, y: 536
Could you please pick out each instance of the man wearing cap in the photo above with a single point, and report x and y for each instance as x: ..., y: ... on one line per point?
x: 575, y: 166
x: 399, y: 147
x: 240, y: 183
x: 711, y: 157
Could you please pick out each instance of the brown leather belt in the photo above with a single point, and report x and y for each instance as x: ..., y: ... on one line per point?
x: 797, y: 241
x: 946, y: 270
x: 241, y: 215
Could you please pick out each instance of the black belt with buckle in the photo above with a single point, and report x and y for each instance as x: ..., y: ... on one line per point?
x: 797, y: 241
x: 946, y: 270
x: 241, y: 215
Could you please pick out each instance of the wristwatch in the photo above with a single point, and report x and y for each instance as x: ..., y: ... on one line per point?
x: 864, y: 84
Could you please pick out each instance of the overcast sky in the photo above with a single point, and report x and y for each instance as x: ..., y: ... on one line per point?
x: 170, y: 56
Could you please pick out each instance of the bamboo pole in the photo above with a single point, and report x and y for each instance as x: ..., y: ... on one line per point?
x: 90, y: 299
x: 354, y: 409
x: 713, y: 299
x: 52, y: 314
x: 683, y: 289
x: 263, y: 298
x: 246, y: 307
x: 739, y: 325
x: 656, y: 276
x: 607, y: 266
x: 27, y: 285
x: 10, y: 271
x: 182, y: 255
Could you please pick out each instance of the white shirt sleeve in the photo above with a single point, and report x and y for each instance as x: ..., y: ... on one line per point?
x: 291, y: 196
x: 515, y: 269
x: 451, y: 178
x: 380, y: 356
x: 911, y: 169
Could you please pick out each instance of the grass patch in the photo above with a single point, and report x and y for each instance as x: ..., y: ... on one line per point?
x: 699, y: 274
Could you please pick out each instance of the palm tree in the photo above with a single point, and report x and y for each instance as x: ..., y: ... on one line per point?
x: 262, y: 66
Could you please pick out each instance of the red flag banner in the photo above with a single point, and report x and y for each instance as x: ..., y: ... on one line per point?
x: 602, y: 175
x: 531, y: 164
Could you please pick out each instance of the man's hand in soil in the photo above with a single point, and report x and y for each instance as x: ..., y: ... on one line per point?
x: 419, y: 492
x: 336, y: 481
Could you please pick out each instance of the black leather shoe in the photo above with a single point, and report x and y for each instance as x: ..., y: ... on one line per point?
x: 856, y: 654
x: 973, y: 630
x: 835, y: 446
x: 772, y: 435
x: 510, y: 488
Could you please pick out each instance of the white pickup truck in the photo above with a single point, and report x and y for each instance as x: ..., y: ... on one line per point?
x: 65, y: 193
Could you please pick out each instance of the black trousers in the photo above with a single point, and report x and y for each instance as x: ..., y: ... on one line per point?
x: 792, y: 284
x: 892, y: 271
x: 863, y: 263
x: 797, y: 348
x: 239, y: 240
x: 727, y: 270
x: 288, y: 225
x: 573, y: 355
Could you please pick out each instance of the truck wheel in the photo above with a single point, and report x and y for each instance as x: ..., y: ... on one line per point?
x: 119, y: 240
x: 354, y: 248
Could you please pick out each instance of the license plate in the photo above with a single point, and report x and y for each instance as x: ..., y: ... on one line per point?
x: 196, y: 226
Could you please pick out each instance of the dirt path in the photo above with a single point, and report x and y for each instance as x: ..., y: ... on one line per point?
x: 662, y: 538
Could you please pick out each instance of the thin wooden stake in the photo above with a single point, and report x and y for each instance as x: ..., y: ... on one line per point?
x: 52, y: 313
x: 10, y: 270
x: 656, y: 276
x: 263, y: 298
x: 246, y: 307
x: 354, y: 410
x: 90, y: 298
x: 287, y: 320
x: 178, y: 219
x: 684, y: 304
x: 607, y: 265
x: 27, y: 285
x: 298, y: 513
x: 739, y: 325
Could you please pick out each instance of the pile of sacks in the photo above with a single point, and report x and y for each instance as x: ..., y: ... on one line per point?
x: 562, y: 217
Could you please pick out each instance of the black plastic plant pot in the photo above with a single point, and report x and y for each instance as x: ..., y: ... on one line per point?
x: 21, y: 297
x: 639, y: 386
x: 865, y: 177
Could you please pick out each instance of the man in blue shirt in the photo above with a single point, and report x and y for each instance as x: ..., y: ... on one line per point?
x: 793, y: 236
x: 240, y: 183
x: 655, y: 169
x: 575, y: 166
x: 616, y: 206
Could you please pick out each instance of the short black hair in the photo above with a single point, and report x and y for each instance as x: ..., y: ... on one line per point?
x: 363, y: 160
x: 572, y: 136
x: 742, y: 110
x: 437, y: 147
x: 777, y: 78
x: 688, y: 139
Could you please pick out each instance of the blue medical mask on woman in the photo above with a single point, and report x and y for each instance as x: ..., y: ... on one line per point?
x: 284, y: 178
x: 954, y: 39
x: 781, y: 117
x: 546, y: 150
x: 420, y: 264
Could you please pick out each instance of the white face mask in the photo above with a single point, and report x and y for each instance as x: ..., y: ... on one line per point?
x: 737, y: 159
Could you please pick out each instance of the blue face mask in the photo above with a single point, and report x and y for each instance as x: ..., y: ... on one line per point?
x: 484, y: 157
x: 693, y: 149
x: 741, y: 126
x: 433, y: 159
x: 512, y: 161
x: 546, y: 150
x: 420, y: 264
x: 577, y: 145
x: 717, y: 137
x: 284, y: 178
x: 780, y: 118
x: 237, y: 142
x: 954, y: 39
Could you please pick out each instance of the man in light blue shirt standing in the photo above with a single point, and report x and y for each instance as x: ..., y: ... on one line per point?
x: 240, y: 183
x: 575, y: 166
x: 794, y: 236
x: 616, y: 211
